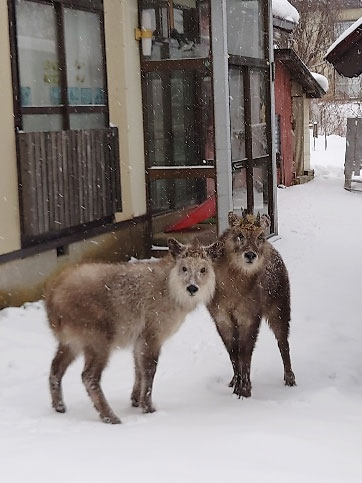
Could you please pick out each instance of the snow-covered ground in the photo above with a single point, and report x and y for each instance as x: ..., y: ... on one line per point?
x: 328, y: 163
x: 201, y: 432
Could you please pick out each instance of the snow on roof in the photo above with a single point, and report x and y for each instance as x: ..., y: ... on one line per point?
x: 345, y: 34
x: 284, y: 10
x: 322, y: 81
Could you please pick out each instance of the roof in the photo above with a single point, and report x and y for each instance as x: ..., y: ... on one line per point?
x: 285, y: 16
x: 282, y: 9
x: 299, y: 72
x: 322, y: 81
x: 346, y: 52
x: 283, y: 24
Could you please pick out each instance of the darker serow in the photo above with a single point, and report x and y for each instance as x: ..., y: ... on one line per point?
x: 252, y: 283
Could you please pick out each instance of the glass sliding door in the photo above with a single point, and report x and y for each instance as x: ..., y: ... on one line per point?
x: 250, y: 109
x: 177, y: 109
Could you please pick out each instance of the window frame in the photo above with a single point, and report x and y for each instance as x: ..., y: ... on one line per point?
x: 64, y: 108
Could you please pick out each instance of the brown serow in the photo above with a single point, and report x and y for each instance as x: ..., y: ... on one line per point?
x: 96, y: 307
x: 251, y: 283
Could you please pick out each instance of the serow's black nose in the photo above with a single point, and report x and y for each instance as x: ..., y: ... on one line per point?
x: 192, y: 289
x: 250, y: 256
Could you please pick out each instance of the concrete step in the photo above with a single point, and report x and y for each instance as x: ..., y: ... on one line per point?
x: 303, y: 179
x: 205, y: 233
x: 309, y: 172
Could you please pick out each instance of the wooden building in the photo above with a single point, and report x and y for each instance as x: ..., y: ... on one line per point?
x: 294, y: 87
x: 346, y: 52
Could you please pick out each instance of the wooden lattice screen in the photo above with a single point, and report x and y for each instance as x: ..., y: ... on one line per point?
x: 68, y: 178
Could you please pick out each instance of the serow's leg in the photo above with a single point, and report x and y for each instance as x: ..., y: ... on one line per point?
x: 148, y: 358
x: 228, y: 332
x: 63, y: 358
x: 91, y: 376
x: 279, y: 323
x: 246, y: 347
x: 136, y: 392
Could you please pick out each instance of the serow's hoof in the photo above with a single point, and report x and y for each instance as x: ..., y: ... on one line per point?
x: 246, y: 391
x: 148, y: 409
x: 60, y: 408
x: 242, y: 390
x: 289, y: 379
x: 111, y: 419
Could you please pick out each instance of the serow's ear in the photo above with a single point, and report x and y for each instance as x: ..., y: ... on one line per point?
x: 176, y: 248
x: 215, y: 250
x: 233, y: 219
x: 265, y: 222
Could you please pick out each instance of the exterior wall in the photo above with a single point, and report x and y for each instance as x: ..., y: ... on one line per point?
x: 23, y: 279
x: 298, y: 112
x: 9, y: 206
x: 125, y: 101
x: 293, y: 107
x: 306, y: 135
x: 283, y: 107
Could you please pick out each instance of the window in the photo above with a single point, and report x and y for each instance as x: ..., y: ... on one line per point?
x: 68, y: 156
x: 179, y: 118
x: 347, y: 88
x: 61, y: 65
x: 245, y: 28
x: 180, y: 29
x: 258, y: 107
x: 237, y: 114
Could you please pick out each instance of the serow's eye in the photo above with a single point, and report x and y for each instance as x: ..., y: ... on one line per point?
x: 184, y: 269
x: 240, y: 238
x: 203, y: 270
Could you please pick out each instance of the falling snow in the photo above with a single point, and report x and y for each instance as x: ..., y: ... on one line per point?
x: 201, y: 432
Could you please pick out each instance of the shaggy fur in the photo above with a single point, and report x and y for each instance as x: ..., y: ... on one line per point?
x: 95, y: 308
x: 252, y: 282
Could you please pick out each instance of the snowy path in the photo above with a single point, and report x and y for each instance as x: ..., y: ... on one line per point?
x: 311, y: 433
